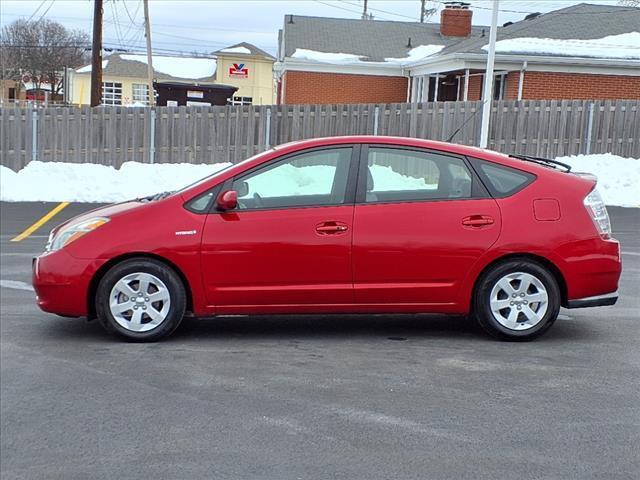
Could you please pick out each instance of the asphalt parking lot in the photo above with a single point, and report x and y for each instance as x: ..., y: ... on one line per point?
x: 354, y: 397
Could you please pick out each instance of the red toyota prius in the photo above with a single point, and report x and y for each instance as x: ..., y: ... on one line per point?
x: 355, y: 224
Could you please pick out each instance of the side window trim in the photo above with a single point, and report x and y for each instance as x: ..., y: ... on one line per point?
x: 478, y: 189
x: 350, y: 188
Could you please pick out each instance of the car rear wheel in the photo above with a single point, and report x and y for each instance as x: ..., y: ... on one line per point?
x: 517, y: 300
x: 141, y: 300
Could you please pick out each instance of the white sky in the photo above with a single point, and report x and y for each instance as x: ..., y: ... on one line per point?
x: 208, y: 25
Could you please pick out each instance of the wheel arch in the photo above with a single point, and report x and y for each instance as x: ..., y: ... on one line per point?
x: 543, y: 261
x: 100, y: 273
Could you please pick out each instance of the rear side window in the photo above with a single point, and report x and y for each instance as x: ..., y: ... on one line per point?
x: 504, y: 181
x: 396, y: 175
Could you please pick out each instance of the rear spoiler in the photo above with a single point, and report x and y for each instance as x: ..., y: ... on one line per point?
x: 547, y: 162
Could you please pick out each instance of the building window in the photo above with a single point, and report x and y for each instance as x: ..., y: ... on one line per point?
x: 111, y: 93
x: 240, y: 101
x: 140, y: 93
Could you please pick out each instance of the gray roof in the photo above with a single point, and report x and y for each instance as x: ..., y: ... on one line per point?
x: 378, y: 40
x: 120, y: 67
x: 582, y: 22
x: 255, y: 51
x: 374, y: 39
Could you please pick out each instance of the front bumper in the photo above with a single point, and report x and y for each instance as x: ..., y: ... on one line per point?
x: 61, y: 282
x: 597, y: 301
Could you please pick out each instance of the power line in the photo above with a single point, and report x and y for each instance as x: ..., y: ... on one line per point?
x: 36, y: 10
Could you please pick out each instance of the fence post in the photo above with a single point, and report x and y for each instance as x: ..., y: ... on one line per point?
x: 267, y: 133
x: 34, y: 135
x: 587, y: 149
x: 376, y: 113
x: 152, y: 136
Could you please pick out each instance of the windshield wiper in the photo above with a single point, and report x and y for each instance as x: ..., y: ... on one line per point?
x: 547, y: 162
x: 155, y: 197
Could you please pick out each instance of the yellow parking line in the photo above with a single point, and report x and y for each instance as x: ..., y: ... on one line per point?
x: 40, y: 222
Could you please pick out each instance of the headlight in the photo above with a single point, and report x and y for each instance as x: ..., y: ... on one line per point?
x: 68, y: 234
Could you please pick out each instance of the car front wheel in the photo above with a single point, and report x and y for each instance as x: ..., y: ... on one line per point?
x: 517, y: 300
x: 141, y: 300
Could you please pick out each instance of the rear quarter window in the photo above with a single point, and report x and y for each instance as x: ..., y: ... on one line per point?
x: 503, y: 181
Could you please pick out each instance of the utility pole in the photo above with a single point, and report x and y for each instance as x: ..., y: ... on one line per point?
x: 364, y: 11
x: 487, y: 91
x: 422, y: 10
x: 96, y: 55
x: 147, y: 33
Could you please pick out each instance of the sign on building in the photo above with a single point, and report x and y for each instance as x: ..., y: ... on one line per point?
x: 238, y: 70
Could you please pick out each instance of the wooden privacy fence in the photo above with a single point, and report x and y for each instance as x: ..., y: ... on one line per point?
x: 113, y: 135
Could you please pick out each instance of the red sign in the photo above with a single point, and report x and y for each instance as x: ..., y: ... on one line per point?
x: 238, y: 71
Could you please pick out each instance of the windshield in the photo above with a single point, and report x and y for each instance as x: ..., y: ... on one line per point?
x: 218, y: 172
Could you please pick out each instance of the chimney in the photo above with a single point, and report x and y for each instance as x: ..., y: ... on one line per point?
x: 455, y: 20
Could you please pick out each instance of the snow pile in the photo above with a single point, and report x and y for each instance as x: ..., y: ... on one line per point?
x: 624, y: 46
x: 618, y: 180
x: 244, y: 50
x: 87, y: 68
x: 417, y: 53
x: 290, y: 180
x: 87, y: 182
x: 387, y: 179
x: 618, y: 177
x: 180, y: 67
x: 323, y: 57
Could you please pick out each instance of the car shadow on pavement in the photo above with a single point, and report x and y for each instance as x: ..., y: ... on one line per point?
x: 335, y: 327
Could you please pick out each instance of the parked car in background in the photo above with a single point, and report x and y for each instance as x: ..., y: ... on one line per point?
x: 356, y: 224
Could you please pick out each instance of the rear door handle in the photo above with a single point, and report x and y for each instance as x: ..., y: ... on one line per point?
x: 477, y: 221
x: 331, y: 228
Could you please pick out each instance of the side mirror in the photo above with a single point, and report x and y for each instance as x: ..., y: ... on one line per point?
x: 227, y: 200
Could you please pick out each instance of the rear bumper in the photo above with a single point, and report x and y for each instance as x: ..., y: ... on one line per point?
x: 61, y: 282
x: 596, y: 301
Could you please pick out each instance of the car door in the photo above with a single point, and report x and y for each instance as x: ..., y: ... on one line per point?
x: 421, y: 220
x: 287, y: 246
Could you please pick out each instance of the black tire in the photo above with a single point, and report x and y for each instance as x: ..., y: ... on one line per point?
x: 156, y: 268
x: 482, y: 299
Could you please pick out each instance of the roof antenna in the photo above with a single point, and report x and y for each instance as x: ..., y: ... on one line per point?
x: 290, y: 19
x: 409, y: 43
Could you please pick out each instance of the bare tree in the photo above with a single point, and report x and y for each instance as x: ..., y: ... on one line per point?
x: 41, y: 49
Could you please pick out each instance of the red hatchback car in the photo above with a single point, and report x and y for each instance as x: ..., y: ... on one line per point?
x: 343, y: 225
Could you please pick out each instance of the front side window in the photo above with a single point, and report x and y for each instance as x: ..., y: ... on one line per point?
x: 111, y: 93
x: 310, y: 179
x: 140, y: 93
x: 240, y: 101
x: 405, y: 175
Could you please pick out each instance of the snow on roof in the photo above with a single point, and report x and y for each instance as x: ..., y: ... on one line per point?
x: 324, y: 57
x: 244, y: 50
x: 413, y: 55
x: 179, y: 67
x: 87, y: 68
x: 417, y: 53
x: 623, y: 46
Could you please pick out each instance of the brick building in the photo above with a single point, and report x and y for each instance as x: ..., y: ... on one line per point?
x: 580, y: 52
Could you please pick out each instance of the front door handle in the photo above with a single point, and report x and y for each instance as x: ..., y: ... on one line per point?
x: 331, y: 228
x: 477, y: 221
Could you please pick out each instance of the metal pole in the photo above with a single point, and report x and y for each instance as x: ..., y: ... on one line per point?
x: 147, y: 33
x: 375, y: 120
x: 466, y: 85
x: 487, y: 91
x: 96, y: 55
x: 422, y: 10
x: 152, y: 137
x: 267, y: 133
x: 34, y: 135
x: 521, y: 80
x: 587, y: 149
x: 435, y: 90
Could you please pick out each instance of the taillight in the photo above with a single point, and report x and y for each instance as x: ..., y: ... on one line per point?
x: 598, y: 211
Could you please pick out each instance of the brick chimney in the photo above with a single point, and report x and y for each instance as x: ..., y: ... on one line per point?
x: 455, y: 20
